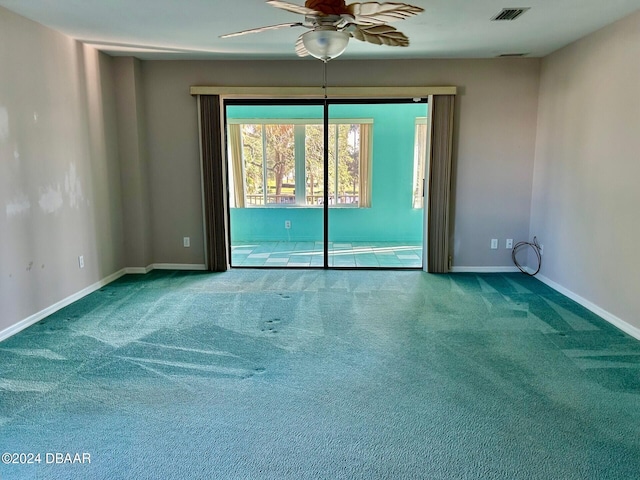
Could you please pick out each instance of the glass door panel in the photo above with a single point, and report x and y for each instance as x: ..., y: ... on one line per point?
x: 276, y: 212
x: 377, y: 155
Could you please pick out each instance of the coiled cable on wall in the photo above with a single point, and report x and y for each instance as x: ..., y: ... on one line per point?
x: 536, y: 249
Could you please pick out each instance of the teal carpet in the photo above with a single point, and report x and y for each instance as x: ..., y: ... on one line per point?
x: 296, y: 374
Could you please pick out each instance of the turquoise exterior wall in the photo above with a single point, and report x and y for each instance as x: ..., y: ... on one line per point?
x: 391, y: 217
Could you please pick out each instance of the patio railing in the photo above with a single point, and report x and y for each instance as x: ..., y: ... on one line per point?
x: 288, y: 199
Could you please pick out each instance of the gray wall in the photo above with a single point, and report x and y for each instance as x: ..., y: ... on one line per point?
x: 586, y: 194
x: 59, y: 175
x: 494, y: 141
x: 132, y: 152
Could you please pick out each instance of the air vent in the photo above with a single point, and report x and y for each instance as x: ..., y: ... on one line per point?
x: 513, y: 55
x: 510, y: 13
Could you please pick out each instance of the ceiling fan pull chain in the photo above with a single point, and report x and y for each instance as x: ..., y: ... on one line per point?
x: 324, y: 77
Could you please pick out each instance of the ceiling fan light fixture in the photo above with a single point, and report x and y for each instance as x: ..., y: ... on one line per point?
x: 325, y: 44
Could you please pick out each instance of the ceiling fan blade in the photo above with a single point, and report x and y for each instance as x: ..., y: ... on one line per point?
x: 376, y: 13
x: 380, y: 35
x: 293, y: 8
x: 301, y: 50
x: 262, y: 29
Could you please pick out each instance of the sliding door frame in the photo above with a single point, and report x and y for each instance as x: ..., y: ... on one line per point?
x: 311, y: 95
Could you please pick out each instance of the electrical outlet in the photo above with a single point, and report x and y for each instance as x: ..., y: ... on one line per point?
x: 287, y: 224
x: 186, y: 242
x: 80, y: 261
x: 494, y: 244
x: 541, y: 249
x: 509, y: 243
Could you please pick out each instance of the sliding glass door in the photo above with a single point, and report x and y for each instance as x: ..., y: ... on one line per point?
x: 274, y: 169
x: 356, y: 205
x: 376, y: 154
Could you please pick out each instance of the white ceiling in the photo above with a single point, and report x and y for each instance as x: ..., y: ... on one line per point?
x: 189, y: 29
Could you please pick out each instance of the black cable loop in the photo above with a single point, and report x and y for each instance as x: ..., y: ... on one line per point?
x: 536, y: 248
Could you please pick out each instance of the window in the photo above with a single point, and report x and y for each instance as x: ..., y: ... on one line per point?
x: 281, y: 163
x: 419, y: 161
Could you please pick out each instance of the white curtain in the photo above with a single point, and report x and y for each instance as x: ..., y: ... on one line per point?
x: 365, y: 166
x: 235, y: 145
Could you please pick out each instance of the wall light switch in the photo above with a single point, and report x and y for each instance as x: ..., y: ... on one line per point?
x: 80, y: 261
x: 494, y: 244
x: 186, y: 242
x: 509, y: 243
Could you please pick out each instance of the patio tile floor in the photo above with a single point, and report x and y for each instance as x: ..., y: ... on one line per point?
x: 341, y: 254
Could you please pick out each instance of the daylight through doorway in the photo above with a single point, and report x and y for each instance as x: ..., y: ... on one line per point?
x: 282, y: 182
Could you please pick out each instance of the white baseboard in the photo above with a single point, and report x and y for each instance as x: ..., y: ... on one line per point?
x: 179, y: 266
x: 601, y: 312
x: 484, y: 270
x: 36, y: 317
x: 165, y: 266
x: 138, y: 270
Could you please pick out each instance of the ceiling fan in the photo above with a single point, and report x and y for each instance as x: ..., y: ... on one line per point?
x: 331, y: 23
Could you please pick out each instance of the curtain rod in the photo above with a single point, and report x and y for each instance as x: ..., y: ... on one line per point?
x: 318, y: 92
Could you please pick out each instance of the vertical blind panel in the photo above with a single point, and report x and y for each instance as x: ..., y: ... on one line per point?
x: 213, y: 182
x: 440, y: 183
